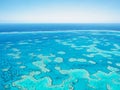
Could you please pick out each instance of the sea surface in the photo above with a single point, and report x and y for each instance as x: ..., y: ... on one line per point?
x: 59, y: 56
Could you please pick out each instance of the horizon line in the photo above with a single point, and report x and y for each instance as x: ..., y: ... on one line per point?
x: 59, y: 22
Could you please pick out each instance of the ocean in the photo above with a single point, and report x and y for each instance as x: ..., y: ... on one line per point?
x: 55, y: 27
x: 59, y: 56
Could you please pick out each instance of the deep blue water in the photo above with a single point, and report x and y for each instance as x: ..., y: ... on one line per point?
x: 49, y: 27
x: 63, y: 57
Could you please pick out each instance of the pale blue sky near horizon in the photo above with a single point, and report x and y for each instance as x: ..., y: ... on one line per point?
x: 59, y: 11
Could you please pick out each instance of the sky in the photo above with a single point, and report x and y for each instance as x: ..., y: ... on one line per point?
x: 59, y: 11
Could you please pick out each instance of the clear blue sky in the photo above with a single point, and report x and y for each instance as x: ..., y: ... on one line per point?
x: 60, y: 11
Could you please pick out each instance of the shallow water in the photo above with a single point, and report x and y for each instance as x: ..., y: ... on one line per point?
x: 72, y: 60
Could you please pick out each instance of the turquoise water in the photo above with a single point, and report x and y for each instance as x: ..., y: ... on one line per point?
x: 60, y: 60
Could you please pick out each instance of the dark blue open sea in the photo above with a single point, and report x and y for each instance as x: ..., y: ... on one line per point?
x: 59, y: 56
